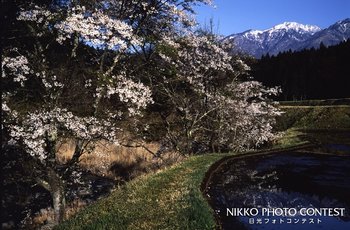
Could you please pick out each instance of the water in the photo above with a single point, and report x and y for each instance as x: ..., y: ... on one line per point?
x: 283, y: 180
x: 338, y: 147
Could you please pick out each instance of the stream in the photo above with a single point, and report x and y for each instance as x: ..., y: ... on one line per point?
x: 311, y: 179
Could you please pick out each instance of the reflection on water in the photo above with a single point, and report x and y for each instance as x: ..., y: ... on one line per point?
x: 338, y: 147
x: 283, y: 180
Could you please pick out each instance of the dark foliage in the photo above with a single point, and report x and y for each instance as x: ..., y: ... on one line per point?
x: 309, y: 74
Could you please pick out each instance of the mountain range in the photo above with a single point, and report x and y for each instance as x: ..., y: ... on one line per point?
x: 288, y: 36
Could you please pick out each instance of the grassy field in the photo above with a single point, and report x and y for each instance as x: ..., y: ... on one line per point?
x: 299, y: 118
x: 315, y: 117
x: 171, y: 198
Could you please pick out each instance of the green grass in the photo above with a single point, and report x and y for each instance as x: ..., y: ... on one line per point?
x: 301, y: 122
x: 327, y: 102
x: 170, y: 199
x: 314, y: 117
x: 291, y: 137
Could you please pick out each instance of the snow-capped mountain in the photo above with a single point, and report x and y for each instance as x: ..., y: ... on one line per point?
x: 332, y: 35
x: 289, y: 35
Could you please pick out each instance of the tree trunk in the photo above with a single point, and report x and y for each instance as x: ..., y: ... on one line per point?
x: 58, y: 196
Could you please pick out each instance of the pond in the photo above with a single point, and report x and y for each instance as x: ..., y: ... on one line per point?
x: 305, y: 189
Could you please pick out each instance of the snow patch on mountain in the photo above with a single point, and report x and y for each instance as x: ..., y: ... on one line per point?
x: 296, y: 27
x: 288, y: 36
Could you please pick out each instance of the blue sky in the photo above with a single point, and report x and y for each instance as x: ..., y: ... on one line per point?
x: 234, y: 16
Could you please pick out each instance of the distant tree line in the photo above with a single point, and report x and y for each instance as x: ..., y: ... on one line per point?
x: 308, y: 74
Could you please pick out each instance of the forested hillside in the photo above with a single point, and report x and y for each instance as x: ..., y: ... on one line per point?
x: 309, y: 74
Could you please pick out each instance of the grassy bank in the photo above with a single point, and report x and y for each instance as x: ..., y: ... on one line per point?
x: 300, y: 118
x: 170, y: 199
x: 327, y: 102
x: 315, y: 117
